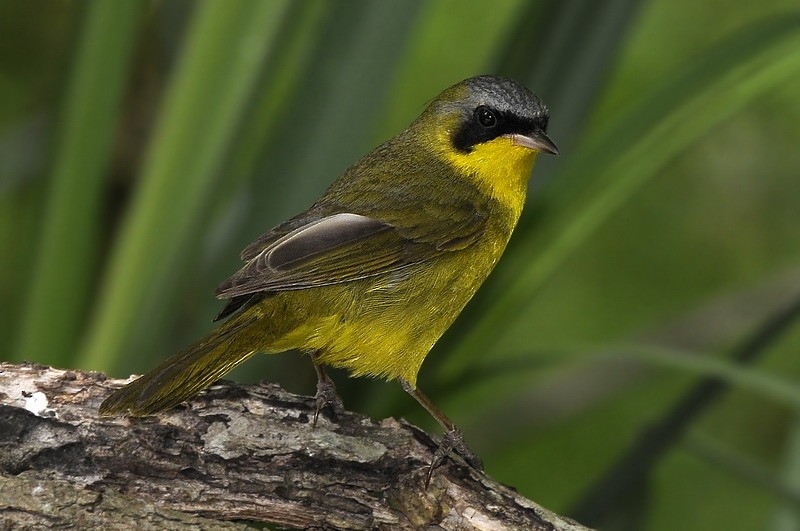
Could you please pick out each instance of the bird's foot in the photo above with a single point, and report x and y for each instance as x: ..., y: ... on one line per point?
x: 453, y: 440
x: 326, y: 397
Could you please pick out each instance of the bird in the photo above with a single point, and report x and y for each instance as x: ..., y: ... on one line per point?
x: 378, y: 268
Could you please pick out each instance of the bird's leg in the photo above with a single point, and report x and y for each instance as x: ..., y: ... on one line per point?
x: 326, y: 392
x: 453, y: 438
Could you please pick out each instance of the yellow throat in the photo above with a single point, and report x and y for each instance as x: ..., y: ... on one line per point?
x: 500, y: 168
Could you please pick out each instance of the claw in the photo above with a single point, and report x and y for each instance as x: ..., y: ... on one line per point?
x: 453, y: 440
x: 326, y: 397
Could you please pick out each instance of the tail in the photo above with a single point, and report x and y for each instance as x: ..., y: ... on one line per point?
x: 183, y: 375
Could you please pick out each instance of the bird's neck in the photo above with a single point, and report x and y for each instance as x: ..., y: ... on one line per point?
x: 499, y: 168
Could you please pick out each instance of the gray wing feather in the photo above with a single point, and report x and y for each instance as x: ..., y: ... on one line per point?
x: 327, y: 251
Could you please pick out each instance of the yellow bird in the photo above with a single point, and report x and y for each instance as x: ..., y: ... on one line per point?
x: 377, y: 269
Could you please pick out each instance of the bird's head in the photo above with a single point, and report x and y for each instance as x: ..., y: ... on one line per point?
x: 488, y: 127
x: 485, y: 109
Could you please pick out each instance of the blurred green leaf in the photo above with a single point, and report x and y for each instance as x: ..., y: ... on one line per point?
x: 608, y: 493
x: 743, y: 466
x: 718, y: 322
x: 326, y: 125
x: 787, y: 518
x: 201, y: 110
x: 563, y: 50
x: 451, y: 40
x: 221, y: 233
x: 284, y: 71
x: 768, y: 385
x: 68, y: 249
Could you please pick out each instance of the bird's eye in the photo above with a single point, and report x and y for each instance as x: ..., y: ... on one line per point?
x: 486, y: 116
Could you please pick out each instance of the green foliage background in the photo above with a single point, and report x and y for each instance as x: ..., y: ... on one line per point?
x: 143, y: 144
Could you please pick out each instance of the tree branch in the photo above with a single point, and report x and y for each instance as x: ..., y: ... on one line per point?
x: 232, y: 456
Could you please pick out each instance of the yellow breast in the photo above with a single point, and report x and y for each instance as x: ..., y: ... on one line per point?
x: 499, y: 168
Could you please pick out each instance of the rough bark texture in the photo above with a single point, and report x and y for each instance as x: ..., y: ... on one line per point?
x: 234, y: 457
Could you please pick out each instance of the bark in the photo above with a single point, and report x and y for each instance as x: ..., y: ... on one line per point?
x: 234, y: 457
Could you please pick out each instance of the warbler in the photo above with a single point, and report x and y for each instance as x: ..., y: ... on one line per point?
x: 371, y: 276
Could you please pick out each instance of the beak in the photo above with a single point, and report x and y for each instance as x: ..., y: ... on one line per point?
x: 537, y: 140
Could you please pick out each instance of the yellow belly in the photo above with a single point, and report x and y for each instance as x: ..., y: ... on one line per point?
x: 382, y: 326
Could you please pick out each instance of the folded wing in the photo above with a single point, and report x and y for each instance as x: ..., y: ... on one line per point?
x: 344, y: 247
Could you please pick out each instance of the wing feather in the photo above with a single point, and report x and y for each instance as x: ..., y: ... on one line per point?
x: 344, y: 247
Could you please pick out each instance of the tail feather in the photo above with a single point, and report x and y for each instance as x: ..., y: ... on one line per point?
x: 183, y: 375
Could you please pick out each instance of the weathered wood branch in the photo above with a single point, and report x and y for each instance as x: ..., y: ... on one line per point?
x: 232, y: 456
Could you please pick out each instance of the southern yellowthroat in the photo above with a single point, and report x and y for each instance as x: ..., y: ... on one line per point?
x: 380, y: 266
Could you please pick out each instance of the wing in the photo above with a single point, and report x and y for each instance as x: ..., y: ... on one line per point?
x: 345, y: 246
x: 276, y: 233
